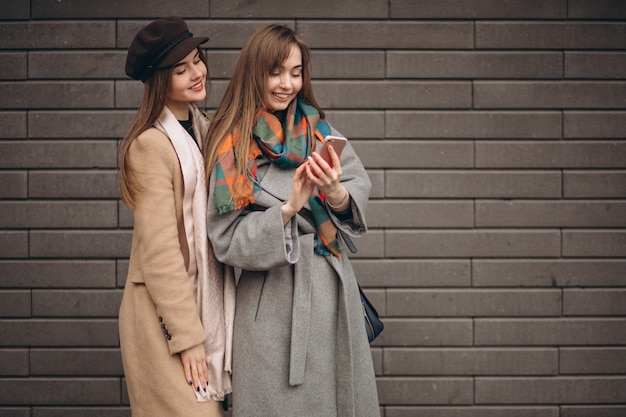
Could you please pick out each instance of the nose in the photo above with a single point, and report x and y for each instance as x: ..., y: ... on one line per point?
x: 197, y: 71
x: 285, y: 82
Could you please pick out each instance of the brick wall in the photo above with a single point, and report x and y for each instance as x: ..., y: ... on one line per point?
x: 494, y: 135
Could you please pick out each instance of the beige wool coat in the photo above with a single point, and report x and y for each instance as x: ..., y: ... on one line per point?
x: 299, y: 347
x: 158, y: 316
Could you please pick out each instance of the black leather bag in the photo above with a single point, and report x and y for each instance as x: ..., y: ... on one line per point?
x: 373, y: 325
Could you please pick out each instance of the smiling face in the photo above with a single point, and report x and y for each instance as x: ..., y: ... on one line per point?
x: 187, y: 83
x: 284, y: 82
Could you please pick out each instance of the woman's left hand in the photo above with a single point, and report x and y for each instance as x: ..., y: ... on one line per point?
x: 326, y: 177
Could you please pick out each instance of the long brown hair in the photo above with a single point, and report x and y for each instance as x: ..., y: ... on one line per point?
x: 266, y: 49
x: 152, y: 104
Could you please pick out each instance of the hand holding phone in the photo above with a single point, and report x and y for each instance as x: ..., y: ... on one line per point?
x: 338, y: 144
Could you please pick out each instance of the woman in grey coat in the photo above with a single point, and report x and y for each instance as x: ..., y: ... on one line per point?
x: 275, y: 207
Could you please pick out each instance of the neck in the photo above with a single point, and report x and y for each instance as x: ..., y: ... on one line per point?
x: 180, y: 110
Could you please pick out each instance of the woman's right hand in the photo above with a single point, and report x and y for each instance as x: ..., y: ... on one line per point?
x: 301, y: 191
x: 195, y: 367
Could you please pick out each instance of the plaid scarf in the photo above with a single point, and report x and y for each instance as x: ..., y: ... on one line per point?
x: 288, y: 144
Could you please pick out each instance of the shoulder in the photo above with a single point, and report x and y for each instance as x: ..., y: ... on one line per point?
x: 151, y: 146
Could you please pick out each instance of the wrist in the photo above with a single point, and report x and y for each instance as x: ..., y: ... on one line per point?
x: 341, y: 204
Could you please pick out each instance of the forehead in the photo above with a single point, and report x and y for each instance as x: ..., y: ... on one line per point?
x: 294, y: 59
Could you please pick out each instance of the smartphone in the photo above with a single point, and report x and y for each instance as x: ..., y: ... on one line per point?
x: 338, y: 143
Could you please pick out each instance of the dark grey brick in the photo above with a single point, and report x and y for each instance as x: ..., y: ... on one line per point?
x: 473, y: 184
x: 13, y: 124
x: 386, y: 34
x: 405, y: 390
x: 58, y: 154
x: 13, y: 244
x: 594, y: 243
x: 377, y: 178
x: 15, y: 303
x: 372, y: 245
x: 596, y: 9
x: 594, y: 125
x: 473, y: 303
x: 14, y: 184
x: 15, y: 9
x: 591, y: 64
x: 478, y: 9
x: 76, y: 362
x: 13, y: 65
x: 594, y: 302
x: 51, y: 391
x: 472, y: 243
x: 598, y: 184
x: 76, y: 303
x: 593, y: 411
x: 95, y: 411
x: 352, y: 9
x: 222, y: 63
x: 425, y: 332
x: 348, y: 64
x: 465, y: 64
x: 122, y: 272
x: 58, y: 214
x: 14, y: 362
x: 461, y: 361
x: 61, y: 35
x: 79, y: 124
x: 550, y: 154
x: 80, y: 244
x: 15, y: 412
x: 73, y: 184
x: 76, y: 64
x: 393, y: 94
x: 125, y: 216
x: 464, y: 411
x: 551, y: 273
x: 605, y: 213
x: 42, y: 9
x: 550, y: 35
x: 413, y: 273
x: 358, y: 124
x: 473, y: 124
x: 56, y: 95
x: 560, y: 390
x: 541, y: 332
x: 415, y: 154
x: 57, y: 274
x: 592, y: 360
x: 419, y: 214
x: 549, y: 95
x: 63, y: 332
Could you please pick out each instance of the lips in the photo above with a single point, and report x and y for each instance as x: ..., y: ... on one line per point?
x: 197, y: 87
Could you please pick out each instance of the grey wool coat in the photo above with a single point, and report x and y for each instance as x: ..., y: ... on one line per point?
x: 299, y: 347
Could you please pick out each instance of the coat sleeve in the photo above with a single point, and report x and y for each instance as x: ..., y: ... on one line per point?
x: 161, y: 262
x: 252, y: 240
x: 355, y: 179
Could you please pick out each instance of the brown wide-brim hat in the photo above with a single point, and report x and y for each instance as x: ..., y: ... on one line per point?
x: 160, y: 44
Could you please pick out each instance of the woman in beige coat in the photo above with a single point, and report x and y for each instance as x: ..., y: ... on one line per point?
x: 176, y: 312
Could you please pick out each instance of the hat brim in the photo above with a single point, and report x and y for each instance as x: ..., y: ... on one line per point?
x: 182, y: 51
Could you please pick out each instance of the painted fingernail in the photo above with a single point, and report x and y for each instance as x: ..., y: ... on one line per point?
x: 198, y: 389
x: 190, y: 383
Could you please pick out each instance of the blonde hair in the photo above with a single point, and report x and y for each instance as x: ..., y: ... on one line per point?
x: 265, y: 50
x: 152, y: 104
